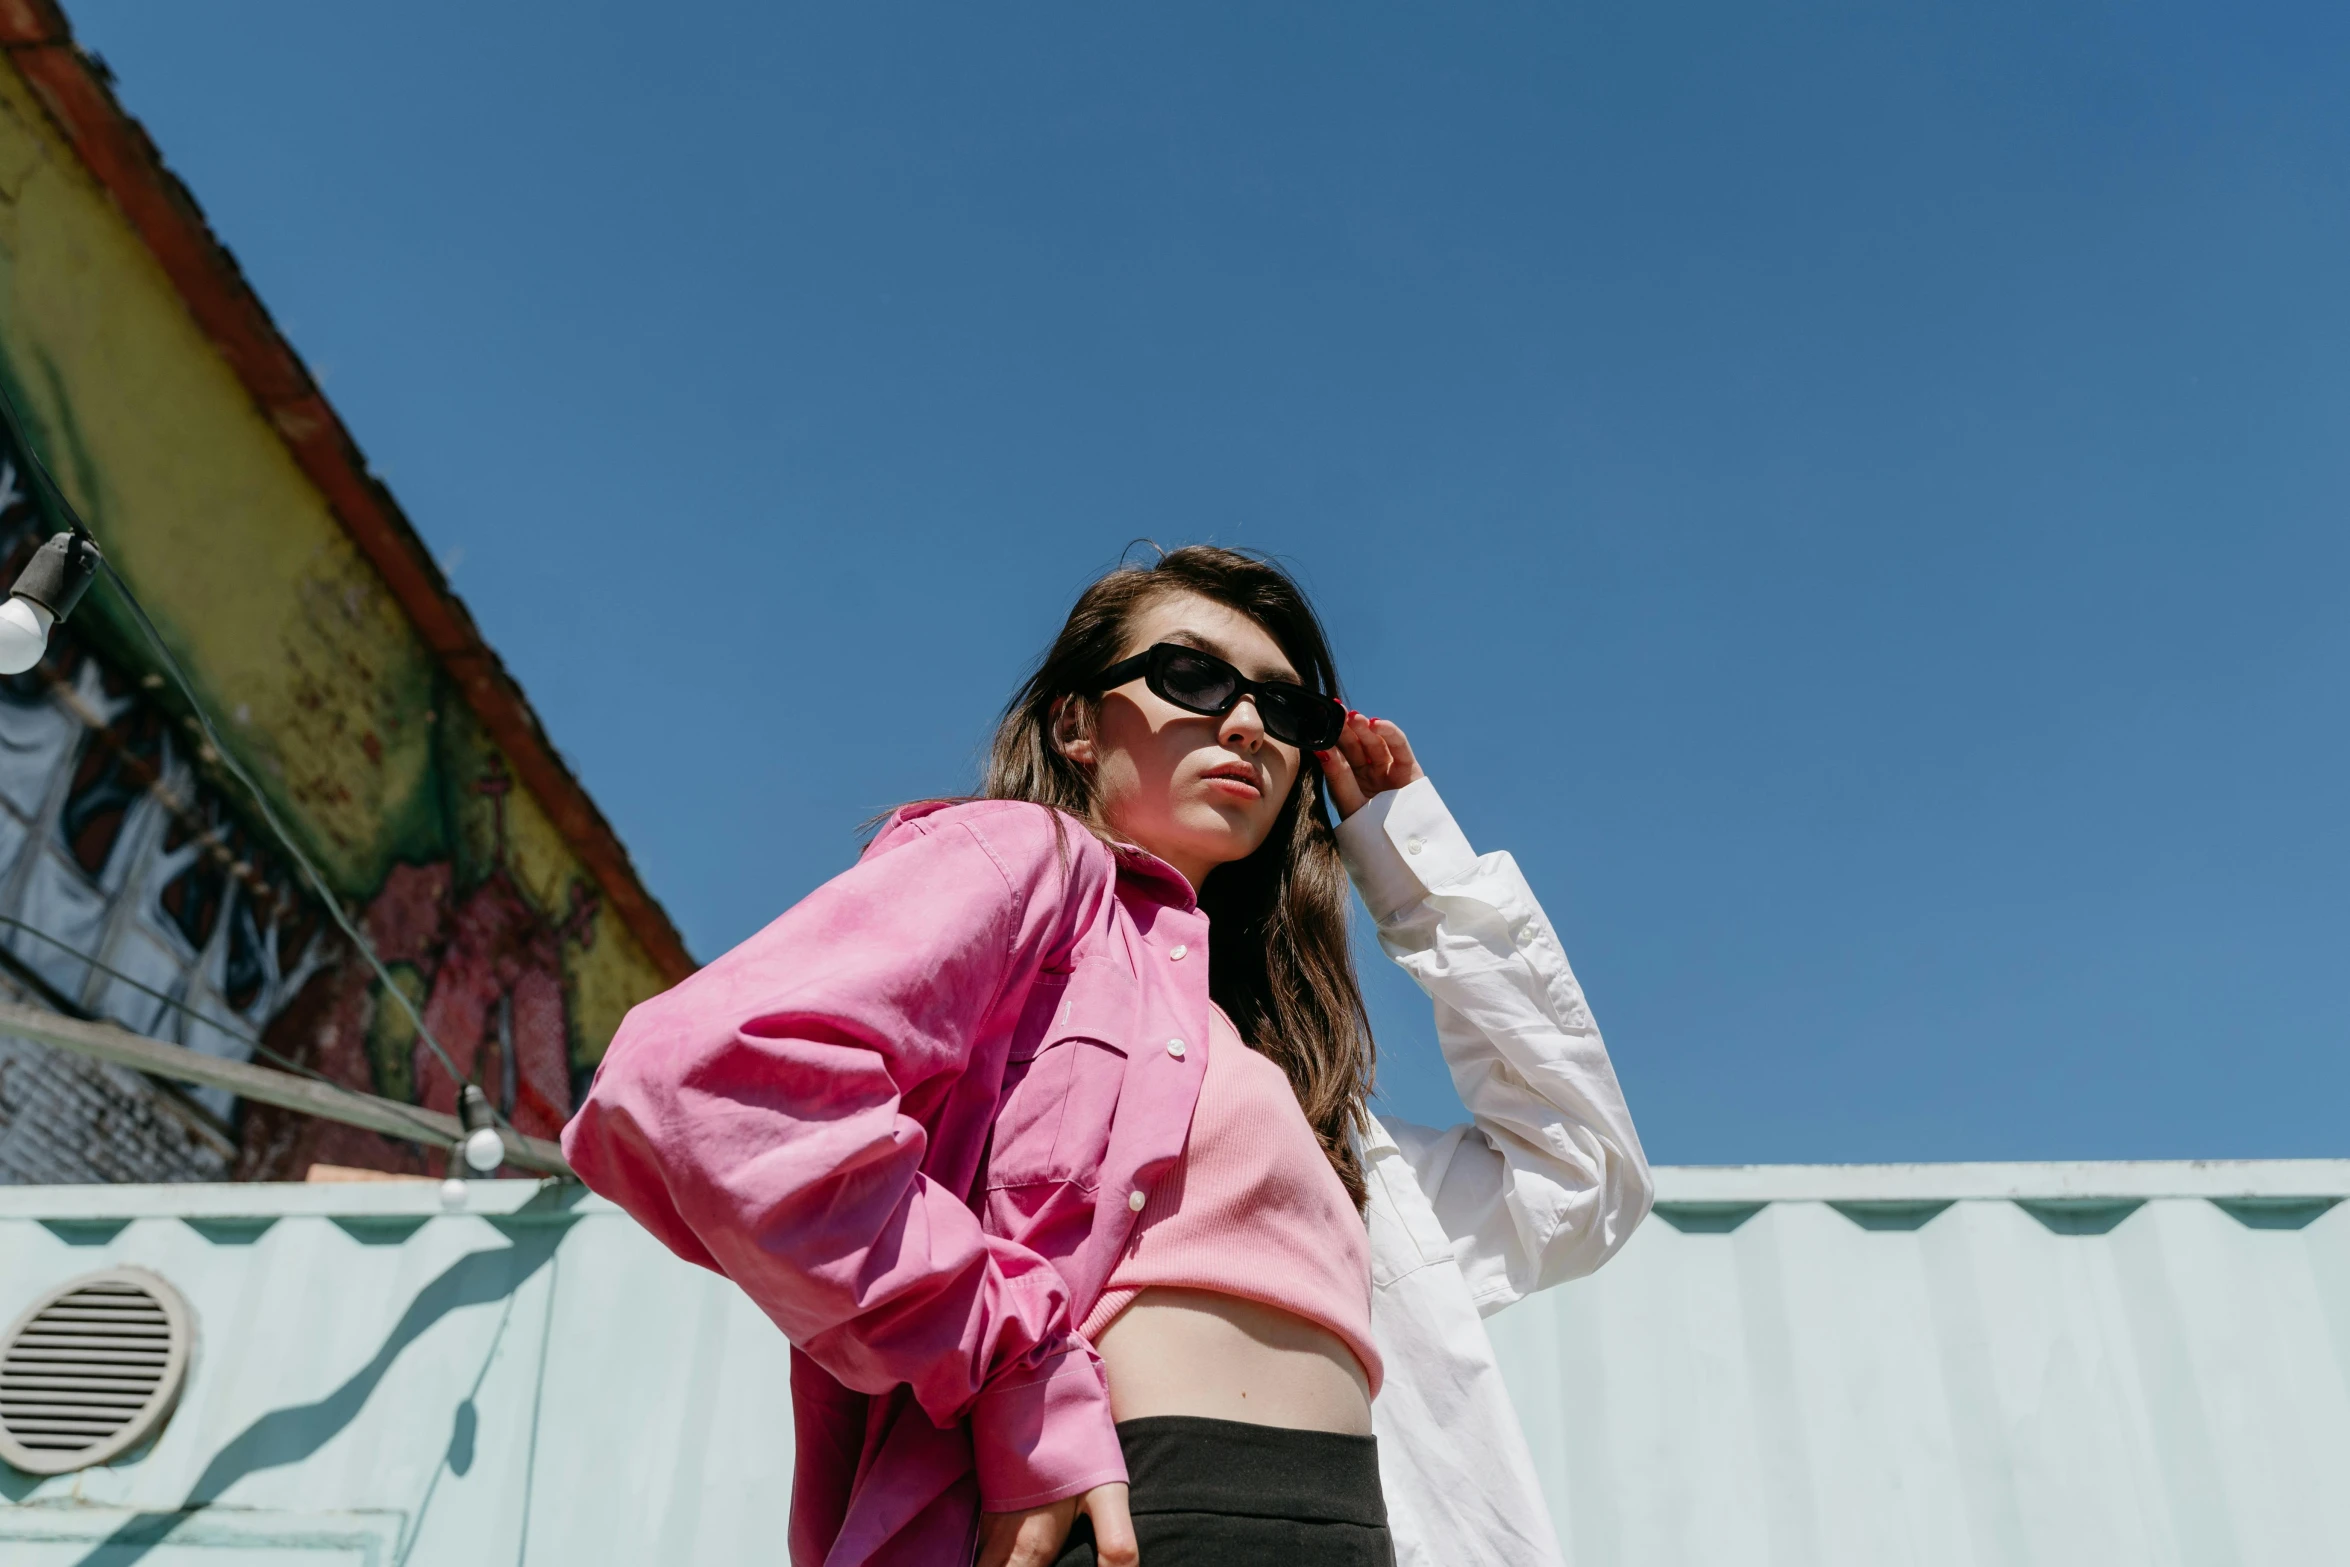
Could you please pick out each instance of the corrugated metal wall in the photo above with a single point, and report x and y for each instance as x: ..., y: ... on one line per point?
x: 377, y: 1382
x: 2022, y: 1364
x: 1887, y: 1377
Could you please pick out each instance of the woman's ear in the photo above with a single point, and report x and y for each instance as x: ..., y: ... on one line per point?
x: 1073, y: 730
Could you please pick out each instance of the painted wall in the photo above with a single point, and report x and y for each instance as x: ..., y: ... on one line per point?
x: 323, y: 688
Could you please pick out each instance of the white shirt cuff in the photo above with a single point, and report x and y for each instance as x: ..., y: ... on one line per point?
x: 1401, y: 846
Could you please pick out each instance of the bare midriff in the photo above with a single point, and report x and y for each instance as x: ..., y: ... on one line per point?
x: 1197, y: 1352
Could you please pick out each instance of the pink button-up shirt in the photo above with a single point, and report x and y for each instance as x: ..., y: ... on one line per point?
x: 809, y: 1116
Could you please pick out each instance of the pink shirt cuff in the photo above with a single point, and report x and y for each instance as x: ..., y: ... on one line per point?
x: 1046, y: 1438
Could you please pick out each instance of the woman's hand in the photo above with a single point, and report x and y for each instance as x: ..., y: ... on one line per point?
x: 1371, y: 757
x: 1035, y: 1537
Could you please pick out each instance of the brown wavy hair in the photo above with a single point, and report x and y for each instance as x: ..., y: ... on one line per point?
x: 1279, y: 962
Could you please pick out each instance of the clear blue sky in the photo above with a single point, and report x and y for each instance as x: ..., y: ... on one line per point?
x: 1857, y: 499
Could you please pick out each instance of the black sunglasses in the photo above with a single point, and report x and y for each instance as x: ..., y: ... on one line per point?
x: 1201, y: 682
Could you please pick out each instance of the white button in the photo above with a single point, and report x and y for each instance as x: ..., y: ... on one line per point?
x: 1414, y: 845
x: 1180, y: 953
x: 1134, y: 1201
x: 1175, y: 1048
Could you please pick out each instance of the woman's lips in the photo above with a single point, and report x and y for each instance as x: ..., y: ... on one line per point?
x: 1238, y: 781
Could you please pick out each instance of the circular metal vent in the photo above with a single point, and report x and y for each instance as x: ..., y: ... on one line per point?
x: 91, y: 1371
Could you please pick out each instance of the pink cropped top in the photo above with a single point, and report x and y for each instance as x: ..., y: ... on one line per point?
x: 1253, y: 1210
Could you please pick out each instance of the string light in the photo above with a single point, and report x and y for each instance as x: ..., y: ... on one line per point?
x: 480, y: 1149
x: 46, y: 591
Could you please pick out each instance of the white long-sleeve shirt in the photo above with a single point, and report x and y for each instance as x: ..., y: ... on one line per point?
x: 1542, y: 1184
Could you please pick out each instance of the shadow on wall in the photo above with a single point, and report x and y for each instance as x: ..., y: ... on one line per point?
x: 288, y: 1436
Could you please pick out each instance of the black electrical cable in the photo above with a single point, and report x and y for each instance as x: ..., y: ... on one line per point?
x: 429, y: 1135
x: 227, y: 758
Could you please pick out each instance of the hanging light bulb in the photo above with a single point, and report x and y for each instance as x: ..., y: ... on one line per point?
x: 485, y: 1150
x: 24, y: 634
x: 481, y: 1148
x: 51, y: 584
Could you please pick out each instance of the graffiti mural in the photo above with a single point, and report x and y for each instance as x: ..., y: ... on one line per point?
x: 127, y: 887
x: 134, y: 887
x: 484, y: 967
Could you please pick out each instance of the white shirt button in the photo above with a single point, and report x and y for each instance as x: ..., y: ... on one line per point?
x: 1175, y: 1048
x: 1180, y: 953
x: 1414, y: 845
x: 1134, y: 1202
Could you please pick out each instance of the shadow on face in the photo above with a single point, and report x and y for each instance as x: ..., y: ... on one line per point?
x: 1196, y: 791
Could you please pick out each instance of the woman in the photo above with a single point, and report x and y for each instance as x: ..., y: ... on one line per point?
x: 1086, y: 1243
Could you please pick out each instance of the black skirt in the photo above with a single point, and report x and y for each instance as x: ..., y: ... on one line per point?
x: 1217, y: 1493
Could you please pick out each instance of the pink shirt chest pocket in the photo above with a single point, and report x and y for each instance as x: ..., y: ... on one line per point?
x: 1062, y: 1081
